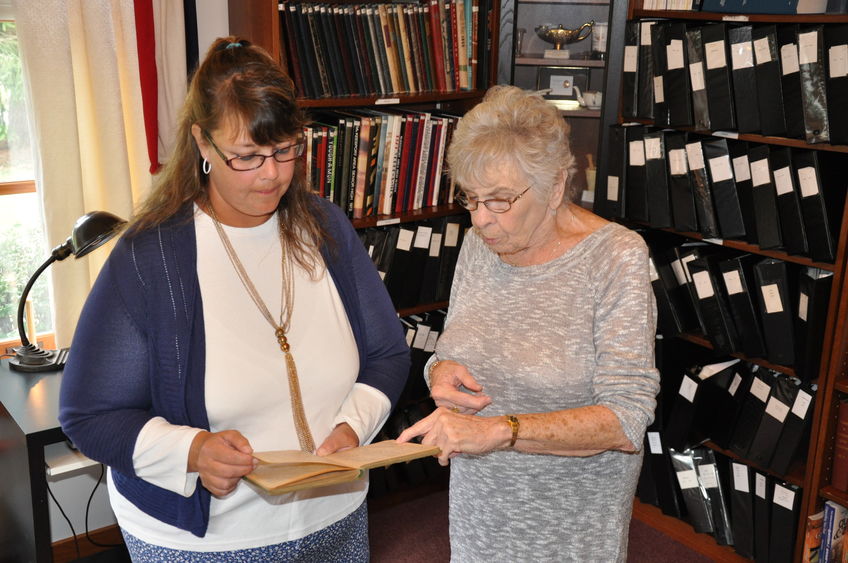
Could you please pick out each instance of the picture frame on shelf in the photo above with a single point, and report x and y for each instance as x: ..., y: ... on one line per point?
x: 560, y: 80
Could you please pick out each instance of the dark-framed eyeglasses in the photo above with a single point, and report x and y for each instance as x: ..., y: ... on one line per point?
x: 495, y: 205
x: 246, y: 162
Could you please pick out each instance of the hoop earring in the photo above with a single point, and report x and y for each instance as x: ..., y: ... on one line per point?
x: 206, y: 166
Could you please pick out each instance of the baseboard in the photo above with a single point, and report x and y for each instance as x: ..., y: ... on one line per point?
x: 65, y: 551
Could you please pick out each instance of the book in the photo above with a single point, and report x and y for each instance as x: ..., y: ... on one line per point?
x: 839, y: 478
x: 833, y: 530
x: 285, y: 471
x: 812, y: 538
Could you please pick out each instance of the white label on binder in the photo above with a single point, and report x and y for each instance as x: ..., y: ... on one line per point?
x: 653, y: 148
x: 742, y: 55
x: 783, y: 181
x: 405, y: 237
x: 740, y: 478
x: 803, y: 304
x: 422, y: 237
x: 685, y: 261
x: 771, y: 296
x: 777, y: 409
x: 760, y: 172
x: 696, y: 76
x: 452, y: 234
x: 838, y: 58
x: 761, y: 51
x: 703, y: 286
x: 645, y: 35
x: 741, y: 168
x: 653, y: 269
x: 432, y: 339
x: 808, y: 180
x: 707, y: 475
x: 802, y: 404
x: 688, y: 479
x: 784, y: 497
x: 733, y: 282
x: 410, y: 335
x: 688, y: 388
x: 789, y: 59
x: 435, y: 245
x: 674, y: 54
x: 637, y: 153
x: 631, y: 58
x: 734, y: 385
x: 720, y: 168
x: 612, y: 188
x: 716, y: 56
x: 677, y: 162
x: 654, y: 443
x: 808, y: 47
x: 696, y: 157
x: 659, y: 95
x: 760, y: 389
x: 421, y: 334
x: 679, y: 274
x: 760, y: 485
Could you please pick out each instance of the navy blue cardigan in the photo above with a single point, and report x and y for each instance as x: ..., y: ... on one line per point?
x: 139, y: 351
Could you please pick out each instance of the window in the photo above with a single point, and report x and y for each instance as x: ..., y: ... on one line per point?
x: 22, y: 241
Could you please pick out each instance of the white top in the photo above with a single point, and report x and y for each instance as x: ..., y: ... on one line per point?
x: 247, y: 390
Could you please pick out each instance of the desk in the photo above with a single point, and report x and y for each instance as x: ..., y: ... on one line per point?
x: 29, y: 409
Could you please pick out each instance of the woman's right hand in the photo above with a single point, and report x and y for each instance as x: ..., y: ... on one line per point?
x: 446, y: 378
x: 221, y: 459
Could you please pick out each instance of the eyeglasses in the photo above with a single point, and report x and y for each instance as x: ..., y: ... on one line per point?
x: 247, y: 162
x: 495, y: 205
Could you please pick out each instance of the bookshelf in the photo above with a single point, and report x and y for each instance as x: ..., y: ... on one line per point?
x: 813, y: 472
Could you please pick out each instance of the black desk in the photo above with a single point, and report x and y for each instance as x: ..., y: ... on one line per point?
x: 29, y: 409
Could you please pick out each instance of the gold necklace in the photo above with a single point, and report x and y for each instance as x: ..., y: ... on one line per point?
x: 301, y: 425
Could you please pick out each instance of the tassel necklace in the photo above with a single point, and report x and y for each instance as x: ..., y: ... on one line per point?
x: 281, y: 327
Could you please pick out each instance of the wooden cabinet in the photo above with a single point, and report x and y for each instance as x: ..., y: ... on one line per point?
x: 812, y: 474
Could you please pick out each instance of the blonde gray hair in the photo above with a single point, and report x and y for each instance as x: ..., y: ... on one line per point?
x: 518, y: 128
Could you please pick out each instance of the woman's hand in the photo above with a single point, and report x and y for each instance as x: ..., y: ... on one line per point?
x: 446, y: 378
x: 455, y: 433
x: 341, y: 438
x: 221, y: 459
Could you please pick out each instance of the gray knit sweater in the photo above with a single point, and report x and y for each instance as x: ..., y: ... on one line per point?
x: 578, y: 330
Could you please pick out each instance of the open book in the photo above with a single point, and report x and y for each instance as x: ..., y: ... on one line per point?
x: 292, y: 470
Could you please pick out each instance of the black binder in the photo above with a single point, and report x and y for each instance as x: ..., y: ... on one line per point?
x: 669, y: 322
x: 670, y: 272
x: 763, y: 487
x: 694, y: 494
x: 822, y: 195
x: 769, y: 84
x: 676, y: 76
x: 678, y: 430
x: 725, y: 397
x: 665, y: 480
x: 836, y: 49
x: 707, y: 223
x: 785, y: 509
x: 656, y: 180
x: 752, y: 411
x: 609, y: 196
x: 796, y: 430
x: 430, y: 275
x: 708, y: 477
x: 744, y: 79
x: 630, y: 75
x: 659, y: 35
x: 712, y: 302
x: 738, y: 152
x: 814, y: 286
x: 719, y: 85
x: 765, y: 198
x: 788, y: 206
x: 775, y: 306
x: 723, y: 187
x: 698, y: 79
x: 766, y: 438
x: 687, y: 253
x: 742, y: 510
x: 454, y: 233
x: 738, y: 276
x: 402, y: 261
x: 790, y: 79
x: 636, y: 200
x: 813, y: 94
x: 680, y: 186
x: 645, y: 71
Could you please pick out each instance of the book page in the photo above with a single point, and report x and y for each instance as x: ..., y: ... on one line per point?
x: 382, y: 453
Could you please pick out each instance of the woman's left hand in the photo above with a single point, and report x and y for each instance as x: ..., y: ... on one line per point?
x: 342, y: 437
x: 456, y: 433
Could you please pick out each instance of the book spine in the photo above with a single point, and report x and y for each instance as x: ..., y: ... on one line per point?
x: 331, y: 162
x: 839, y: 477
x: 436, y: 42
x: 827, y: 532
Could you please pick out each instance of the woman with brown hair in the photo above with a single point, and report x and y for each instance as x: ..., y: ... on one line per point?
x: 239, y: 313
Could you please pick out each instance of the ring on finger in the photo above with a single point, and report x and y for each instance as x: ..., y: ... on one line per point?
x: 454, y: 409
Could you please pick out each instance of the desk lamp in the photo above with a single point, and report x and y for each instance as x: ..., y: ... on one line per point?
x: 90, y: 231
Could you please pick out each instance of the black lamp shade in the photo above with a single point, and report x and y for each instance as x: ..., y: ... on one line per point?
x: 92, y: 230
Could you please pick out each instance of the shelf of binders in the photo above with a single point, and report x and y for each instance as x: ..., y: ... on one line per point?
x: 740, y: 18
x: 794, y: 476
x: 702, y: 341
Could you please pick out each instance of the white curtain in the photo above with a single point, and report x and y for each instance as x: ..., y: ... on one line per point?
x: 81, y: 64
x: 171, y: 72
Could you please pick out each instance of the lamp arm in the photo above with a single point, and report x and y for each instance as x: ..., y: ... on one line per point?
x: 22, y: 304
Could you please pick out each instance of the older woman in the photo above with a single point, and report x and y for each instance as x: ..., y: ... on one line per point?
x: 544, y: 374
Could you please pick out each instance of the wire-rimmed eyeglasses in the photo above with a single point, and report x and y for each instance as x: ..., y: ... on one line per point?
x: 246, y: 162
x: 495, y: 204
